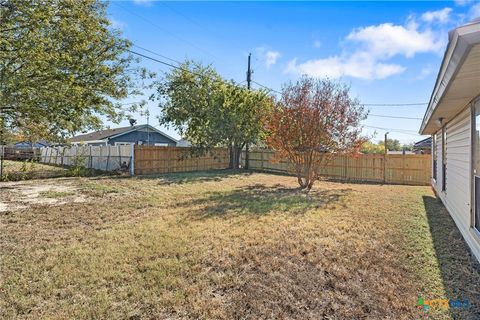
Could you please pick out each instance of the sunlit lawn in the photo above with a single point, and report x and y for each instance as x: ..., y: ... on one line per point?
x: 226, y: 245
x: 26, y: 170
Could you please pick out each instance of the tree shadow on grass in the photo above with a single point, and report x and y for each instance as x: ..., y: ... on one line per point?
x: 459, y: 269
x: 199, y: 176
x: 187, y: 177
x: 260, y: 199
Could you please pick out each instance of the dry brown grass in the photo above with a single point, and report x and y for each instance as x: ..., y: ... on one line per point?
x: 233, y: 246
x: 27, y: 170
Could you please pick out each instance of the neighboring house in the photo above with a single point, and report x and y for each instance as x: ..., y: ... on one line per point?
x: 423, y: 147
x: 184, y: 143
x: 399, y: 152
x: 141, y: 134
x: 453, y: 119
x: 26, y: 144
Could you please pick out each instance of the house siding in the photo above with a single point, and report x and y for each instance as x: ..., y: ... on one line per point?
x: 457, y: 196
x: 144, y: 136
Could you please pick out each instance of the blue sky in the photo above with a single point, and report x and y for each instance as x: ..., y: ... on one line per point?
x: 388, y: 52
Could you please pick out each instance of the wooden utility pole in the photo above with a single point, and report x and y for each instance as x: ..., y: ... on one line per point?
x: 249, y: 80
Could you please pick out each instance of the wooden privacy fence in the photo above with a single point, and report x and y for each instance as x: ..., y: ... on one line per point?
x: 149, y: 159
x: 107, y: 158
x: 390, y: 168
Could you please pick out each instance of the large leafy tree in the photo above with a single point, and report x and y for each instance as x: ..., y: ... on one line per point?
x: 61, y: 66
x: 212, y: 112
x: 314, y: 120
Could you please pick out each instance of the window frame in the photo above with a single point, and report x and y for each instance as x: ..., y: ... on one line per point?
x: 475, y: 141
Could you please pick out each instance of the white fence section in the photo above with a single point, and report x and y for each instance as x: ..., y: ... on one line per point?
x: 106, y: 158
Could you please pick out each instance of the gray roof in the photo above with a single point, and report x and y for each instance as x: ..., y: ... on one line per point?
x: 425, y: 143
x: 105, y: 134
x: 102, y: 134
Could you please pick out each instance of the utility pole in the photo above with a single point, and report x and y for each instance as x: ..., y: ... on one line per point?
x: 249, y: 80
x: 148, y: 127
x: 386, y: 150
x: 385, y: 159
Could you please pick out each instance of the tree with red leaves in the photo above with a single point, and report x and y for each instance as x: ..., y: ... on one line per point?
x: 314, y: 120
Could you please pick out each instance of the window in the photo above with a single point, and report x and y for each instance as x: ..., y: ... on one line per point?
x: 434, y: 157
x: 476, y: 164
x: 444, y: 159
x: 161, y: 144
x: 123, y: 143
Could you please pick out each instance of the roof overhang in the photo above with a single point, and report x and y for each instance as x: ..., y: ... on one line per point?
x: 458, y: 81
x: 141, y: 128
x: 89, y: 141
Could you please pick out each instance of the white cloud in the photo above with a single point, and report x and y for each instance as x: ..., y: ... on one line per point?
x: 474, y: 12
x: 425, y: 72
x: 143, y: 2
x: 440, y: 16
x: 463, y: 2
x: 388, y: 40
x: 359, y: 65
x: 373, y: 47
x: 317, y: 44
x: 271, y: 58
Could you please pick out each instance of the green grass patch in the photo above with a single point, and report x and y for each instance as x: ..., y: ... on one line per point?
x: 55, y: 194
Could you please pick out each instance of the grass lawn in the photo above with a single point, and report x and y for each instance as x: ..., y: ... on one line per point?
x: 26, y: 170
x: 226, y: 245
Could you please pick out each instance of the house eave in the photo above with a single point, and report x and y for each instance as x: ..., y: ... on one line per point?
x: 462, y: 40
x: 142, y: 127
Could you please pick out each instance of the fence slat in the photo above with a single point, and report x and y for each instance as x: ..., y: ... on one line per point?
x: 156, y: 159
x: 397, y: 169
x: 96, y: 157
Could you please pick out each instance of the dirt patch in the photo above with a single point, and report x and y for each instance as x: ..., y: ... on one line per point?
x: 21, y: 195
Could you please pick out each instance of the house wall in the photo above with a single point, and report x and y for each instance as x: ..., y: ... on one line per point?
x: 457, y: 196
x: 144, y: 136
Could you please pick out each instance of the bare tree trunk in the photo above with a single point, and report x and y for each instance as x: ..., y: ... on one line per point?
x: 235, y: 152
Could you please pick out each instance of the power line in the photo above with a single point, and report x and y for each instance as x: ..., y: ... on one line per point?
x: 193, y: 21
x: 259, y: 84
x: 393, y: 117
x: 162, y: 62
x: 394, y: 104
x: 172, y: 65
x: 265, y: 87
x: 409, y: 132
x: 157, y: 54
x: 364, y: 104
x: 165, y: 30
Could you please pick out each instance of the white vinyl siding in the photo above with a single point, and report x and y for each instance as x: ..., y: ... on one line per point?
x: 457, y: 196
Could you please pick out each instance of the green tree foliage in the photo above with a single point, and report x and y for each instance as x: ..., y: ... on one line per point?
x: 61, y: 66
x: 379, y: 147
x: 393, y: 144
x: 369, y: 147
x: 211, y: 112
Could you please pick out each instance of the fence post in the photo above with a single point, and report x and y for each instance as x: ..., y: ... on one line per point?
x: 91, y: 159
x: 261, y: 159
x: 384, y: 168
x: 108, y: 158
x: 132, y: 160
